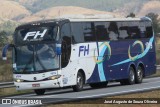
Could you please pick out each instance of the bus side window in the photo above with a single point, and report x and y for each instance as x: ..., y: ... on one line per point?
x: 142, y: 28
x: 134, y: 32
x: 123, y: 34
x: 89, y: 32
x: 113, y: 31
x: 101, y: 31
x: 149, y: 32
x: 77, y: 32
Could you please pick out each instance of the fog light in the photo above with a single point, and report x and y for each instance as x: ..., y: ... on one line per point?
x: 18, y: 80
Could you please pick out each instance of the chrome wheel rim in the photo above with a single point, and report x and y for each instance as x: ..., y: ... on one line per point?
x: 132, y: 77
x: 139, y: 74
x: 79, y: 81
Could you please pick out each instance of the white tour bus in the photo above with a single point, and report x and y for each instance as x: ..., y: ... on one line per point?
x: 76, y: 51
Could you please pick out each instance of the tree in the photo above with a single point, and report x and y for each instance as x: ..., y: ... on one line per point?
x: 155, y: 21
x: 131, y: 15
x: 3, y: 38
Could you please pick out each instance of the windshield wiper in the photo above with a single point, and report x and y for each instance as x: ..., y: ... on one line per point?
x: 42, y: 65
x: 29, y: 62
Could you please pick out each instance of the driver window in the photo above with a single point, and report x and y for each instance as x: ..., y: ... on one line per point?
x: 66, y: 44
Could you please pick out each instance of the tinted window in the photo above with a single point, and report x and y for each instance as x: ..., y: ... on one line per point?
x: 123, y: 30
x: 65, y: 30
x: 83, y: 31
x: 77, y: 30
x: 149, y: 30
x: 134, y: 32
x: 66, y: 44
x: 101, y: 29
x: 89, y: 31
x: 113, y: 31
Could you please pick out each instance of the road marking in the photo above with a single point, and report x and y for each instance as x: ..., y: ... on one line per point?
x: 119, y: 92
x: 49, y: 96
x: 104, y: 94
x: 148, y: 82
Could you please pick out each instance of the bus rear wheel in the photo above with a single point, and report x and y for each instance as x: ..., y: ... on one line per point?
x: 40, y: 91
x: 80, y: 82
x: 131, y: 78
x: 139, y: 75
x: 99, y: 85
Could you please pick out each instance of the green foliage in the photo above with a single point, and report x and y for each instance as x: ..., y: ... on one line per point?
x: 8, y: 27
x: 156, y: 22
x: 3, y: 38
x: 6, y: 30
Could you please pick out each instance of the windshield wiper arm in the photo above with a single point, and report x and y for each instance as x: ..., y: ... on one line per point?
x: 28, y: 63
x: 42, y: 65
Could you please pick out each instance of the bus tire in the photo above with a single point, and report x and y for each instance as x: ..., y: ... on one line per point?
x: 40, y: 91
x: 80, y: 82
x: 99, y: 85
x: 131, y: 78
x: 139, y: 75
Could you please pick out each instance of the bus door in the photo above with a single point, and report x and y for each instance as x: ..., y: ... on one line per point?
x: 66, y: 44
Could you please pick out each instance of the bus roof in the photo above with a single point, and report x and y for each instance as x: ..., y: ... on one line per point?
x: 99, y: 17
x: 82, y: 19
x: 110, y: 19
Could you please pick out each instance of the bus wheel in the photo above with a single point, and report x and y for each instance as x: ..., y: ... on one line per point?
x: 40, y: 91
x: 80, y: 82
x: 131, y: 79
x: 139, y: 75
x: 99, y: 85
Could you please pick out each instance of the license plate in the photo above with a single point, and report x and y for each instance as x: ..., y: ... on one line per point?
x: 35, y: 85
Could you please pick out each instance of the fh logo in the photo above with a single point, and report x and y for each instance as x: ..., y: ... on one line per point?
x: 84, y: 49
x: 35, y: 34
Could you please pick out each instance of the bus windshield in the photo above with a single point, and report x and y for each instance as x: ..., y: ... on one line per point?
x: 35, y: 59
x: 35, y: 50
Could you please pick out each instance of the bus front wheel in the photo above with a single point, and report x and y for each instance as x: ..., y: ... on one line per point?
x: 80, y: 82
x: 40, y: 91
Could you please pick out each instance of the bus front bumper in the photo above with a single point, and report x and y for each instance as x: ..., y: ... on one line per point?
x: 37, y: 85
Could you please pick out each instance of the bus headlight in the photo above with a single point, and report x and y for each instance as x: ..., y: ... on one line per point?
x: 18, y: 80
x: 54, y: 77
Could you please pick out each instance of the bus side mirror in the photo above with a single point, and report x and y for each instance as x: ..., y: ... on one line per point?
x: 4, y: 51
x: 58, y: 49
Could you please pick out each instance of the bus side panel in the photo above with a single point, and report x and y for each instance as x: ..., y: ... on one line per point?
x: 123, y: 53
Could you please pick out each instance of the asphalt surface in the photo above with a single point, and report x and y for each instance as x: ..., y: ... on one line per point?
x: 64, y: 95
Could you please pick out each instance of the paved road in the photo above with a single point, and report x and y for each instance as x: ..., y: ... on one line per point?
x: 112, y: 90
